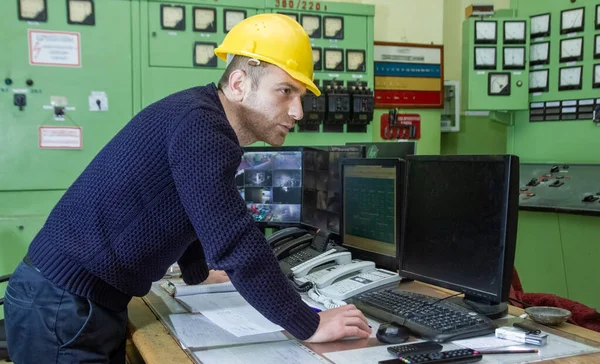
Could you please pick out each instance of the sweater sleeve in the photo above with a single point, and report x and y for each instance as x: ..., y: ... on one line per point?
x: 193, y: 264
x: 204, y: 154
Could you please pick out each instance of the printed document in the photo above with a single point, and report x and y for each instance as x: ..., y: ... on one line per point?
x: 231, y: 312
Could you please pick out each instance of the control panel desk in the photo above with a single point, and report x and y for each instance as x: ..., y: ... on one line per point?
x: 149, y: 340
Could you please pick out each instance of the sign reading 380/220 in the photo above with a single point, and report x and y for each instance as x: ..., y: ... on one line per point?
x: 300, y: 5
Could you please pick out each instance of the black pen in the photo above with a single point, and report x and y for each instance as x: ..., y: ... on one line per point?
x: 508, y: 351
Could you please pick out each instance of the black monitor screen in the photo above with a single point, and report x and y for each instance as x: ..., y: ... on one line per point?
x: 271, y: 184
x: 371, y: 192
x: 460, y: 223
x: 321, y: 205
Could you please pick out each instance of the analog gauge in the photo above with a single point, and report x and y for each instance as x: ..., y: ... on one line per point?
x: 33, y: 10
x: 204, y: 54
x: 514, y: 58
x: 485, y: 32
x: 312, y: 25
x: 540, y: 53
x: 317, y: 63
x: 232, y: 17
x: 538, y: 81
x: 172, y: 17
x: 514, y: 32
x: 205, y: 20
x: 334, y: 60
x: 485, y: 58
x: 499, y: 84
x: 571, y: 20
x: 355, y: 61
x: 570, y: 78
x: 540, y: 25
x: 81, y: 12
x: 571, y: 49
x: 334, y: 27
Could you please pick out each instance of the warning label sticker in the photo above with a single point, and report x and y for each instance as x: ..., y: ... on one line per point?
x: 48, y: 48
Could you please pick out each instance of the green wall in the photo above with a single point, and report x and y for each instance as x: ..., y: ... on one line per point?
x: 477, y: 135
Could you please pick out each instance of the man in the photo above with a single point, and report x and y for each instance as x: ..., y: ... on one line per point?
x: 162, y: 190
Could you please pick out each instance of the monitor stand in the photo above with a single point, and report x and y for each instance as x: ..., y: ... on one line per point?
x: 484, y: 307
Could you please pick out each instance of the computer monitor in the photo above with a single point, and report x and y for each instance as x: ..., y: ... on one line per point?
x: 460, y: 226
x: 321, y: 201
x: 371, y: 209
x: 398, y: 149
x: 270, y: 180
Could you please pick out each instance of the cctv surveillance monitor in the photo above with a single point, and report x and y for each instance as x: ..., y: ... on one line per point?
x: 460, y: 226
x: 270, y: 180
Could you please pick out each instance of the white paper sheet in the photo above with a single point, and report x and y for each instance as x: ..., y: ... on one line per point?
x: 486, y: 342
x: 196, y: 332
x: 231, y: 312
x: 288, y: 352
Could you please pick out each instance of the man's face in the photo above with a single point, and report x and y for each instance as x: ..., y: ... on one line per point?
x: 273, y: 108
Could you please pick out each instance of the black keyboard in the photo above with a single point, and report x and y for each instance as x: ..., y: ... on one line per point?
x: 425, y: 316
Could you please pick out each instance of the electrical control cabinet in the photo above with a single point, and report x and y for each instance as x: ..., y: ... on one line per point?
x: 63, y: 94
x: 495, y: 63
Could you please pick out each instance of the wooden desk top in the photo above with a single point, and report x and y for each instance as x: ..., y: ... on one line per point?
x: 156, y: 345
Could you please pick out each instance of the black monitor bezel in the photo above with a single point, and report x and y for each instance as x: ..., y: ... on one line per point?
x: 330, y: 149
x: 509, y: 229
x: 259, y: 149
x: 381, y: 261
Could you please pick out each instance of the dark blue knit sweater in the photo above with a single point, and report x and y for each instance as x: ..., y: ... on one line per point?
x: 162, y: 190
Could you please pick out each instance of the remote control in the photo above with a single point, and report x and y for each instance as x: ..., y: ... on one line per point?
x: 415, y: 348
x: 451, y: 356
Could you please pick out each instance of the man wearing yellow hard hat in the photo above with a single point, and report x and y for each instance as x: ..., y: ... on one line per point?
x: 162, y: 191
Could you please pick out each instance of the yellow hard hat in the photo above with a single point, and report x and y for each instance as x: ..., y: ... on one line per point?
x: 276, y: 39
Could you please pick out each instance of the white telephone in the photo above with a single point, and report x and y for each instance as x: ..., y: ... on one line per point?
x: 331, y: 255
x: 342, y: 281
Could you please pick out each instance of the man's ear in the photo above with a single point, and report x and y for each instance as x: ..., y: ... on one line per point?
x: 237, y: 84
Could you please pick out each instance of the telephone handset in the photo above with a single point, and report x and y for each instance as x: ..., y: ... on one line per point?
x: 343, y: 270
x: 284, y: 235
x: 290, y: 247
x: 339, y: 257
x: 329, y: 272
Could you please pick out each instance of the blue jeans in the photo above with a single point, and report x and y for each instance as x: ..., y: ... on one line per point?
x: 47, y: 324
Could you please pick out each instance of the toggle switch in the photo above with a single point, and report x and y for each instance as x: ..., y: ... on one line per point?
x: 20, y: 100
x: 590, y: 198
x: 556, y: 183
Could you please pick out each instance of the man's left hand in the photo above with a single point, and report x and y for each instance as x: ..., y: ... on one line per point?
x: 216, y: 276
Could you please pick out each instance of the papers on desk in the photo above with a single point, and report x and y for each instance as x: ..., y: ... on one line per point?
x: 176, y: 287
x: 231, y: 312
x: 198, y: 332
x: 288, y: 352
x: 557, y: 347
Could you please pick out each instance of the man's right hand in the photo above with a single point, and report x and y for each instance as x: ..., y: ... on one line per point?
x: 340, y: 322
